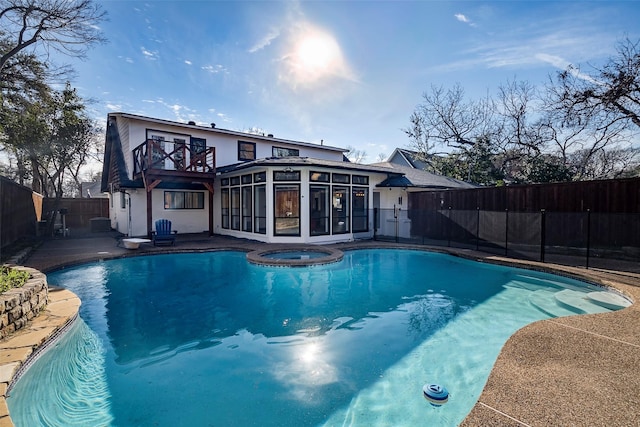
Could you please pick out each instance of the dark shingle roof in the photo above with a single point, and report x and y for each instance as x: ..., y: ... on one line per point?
x: 419, y: 178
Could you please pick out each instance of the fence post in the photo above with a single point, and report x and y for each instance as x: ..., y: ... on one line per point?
x: 588, y: 235
x: 477, y: 227
x: 542, y: 233
x: 506, y: 232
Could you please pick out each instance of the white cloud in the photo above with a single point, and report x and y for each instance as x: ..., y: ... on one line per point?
x: 214, y: 69
x: 126, y: 59
x: 149, y: 54
x: 463, y: 18
x: 554, y: 60
x: 266, y: 40
x: 224, y: 117
x: 517, y: 50
x: 186, y: 61
x: 114, y: 107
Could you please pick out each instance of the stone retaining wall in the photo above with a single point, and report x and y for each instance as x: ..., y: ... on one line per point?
x: 19, y: 305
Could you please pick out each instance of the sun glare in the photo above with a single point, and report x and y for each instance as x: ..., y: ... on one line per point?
x: 314, y: 56
x: 317, y: 52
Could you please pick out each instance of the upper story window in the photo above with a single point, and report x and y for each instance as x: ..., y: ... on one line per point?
x: 246, y: 150
x: 284, y: 152
x: 198, y: 145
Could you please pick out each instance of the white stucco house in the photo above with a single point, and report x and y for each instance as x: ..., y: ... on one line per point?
x: 260, y: 187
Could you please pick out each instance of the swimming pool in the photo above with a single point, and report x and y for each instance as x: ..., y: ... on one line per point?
x: 210, y: 339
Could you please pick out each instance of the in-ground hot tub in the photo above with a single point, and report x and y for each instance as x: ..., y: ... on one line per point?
x: 295, y: 257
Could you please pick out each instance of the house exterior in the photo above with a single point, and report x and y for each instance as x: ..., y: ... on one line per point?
x: 207, y: 179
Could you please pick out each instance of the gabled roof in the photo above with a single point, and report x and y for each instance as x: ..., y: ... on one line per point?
x: 412, y: 177
x: 404, y: 157
x: 114, y: 171
x: 216, y: 130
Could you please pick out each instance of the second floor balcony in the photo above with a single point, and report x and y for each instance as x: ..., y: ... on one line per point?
x: 174, y: 160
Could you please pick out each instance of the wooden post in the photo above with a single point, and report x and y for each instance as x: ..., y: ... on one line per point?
x: 149, y: 212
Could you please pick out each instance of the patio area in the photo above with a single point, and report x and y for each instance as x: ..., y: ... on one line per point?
x: 578, y: 370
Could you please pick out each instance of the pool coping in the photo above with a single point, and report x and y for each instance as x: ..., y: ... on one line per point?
x: 586, y: 374
x: 22, y: 348
x: 259, y: 257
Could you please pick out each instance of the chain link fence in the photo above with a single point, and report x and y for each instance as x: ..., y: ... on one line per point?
x: 591, y: 240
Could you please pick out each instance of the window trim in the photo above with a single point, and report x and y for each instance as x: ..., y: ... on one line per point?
x: 242, y: 157
x: 198, y: 198
x: 275, y: 207
x: 347, y: 210
x: 327, y: 217
x: 286, y: 176
x: 225, y: 208
x: 320, y: 174
x: 336, y: 178
x: 365, y: 190
x: 290, y: 151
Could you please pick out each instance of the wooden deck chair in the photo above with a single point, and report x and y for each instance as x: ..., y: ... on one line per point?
x: 163, y: 233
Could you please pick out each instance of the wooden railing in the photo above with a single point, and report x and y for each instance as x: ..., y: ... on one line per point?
x: 152, y: 156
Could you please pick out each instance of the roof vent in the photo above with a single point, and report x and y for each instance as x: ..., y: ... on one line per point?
x: 270, y: 135
x: 192, y: 123
x: 213, y: 125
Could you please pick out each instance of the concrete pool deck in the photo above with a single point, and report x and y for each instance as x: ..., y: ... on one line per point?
x: 579, y: 370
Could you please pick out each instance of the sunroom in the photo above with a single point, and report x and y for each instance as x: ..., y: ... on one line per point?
x: 298, y: 200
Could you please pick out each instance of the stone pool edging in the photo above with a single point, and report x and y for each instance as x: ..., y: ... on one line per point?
x: 55, y: 310
x: 20, y: 305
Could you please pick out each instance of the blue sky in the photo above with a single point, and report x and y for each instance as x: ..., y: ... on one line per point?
x: 349, y: 73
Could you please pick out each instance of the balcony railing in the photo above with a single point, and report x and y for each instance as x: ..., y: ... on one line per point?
x: 166, y: 156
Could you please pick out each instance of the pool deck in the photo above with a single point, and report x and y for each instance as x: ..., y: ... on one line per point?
x: 579, y: 370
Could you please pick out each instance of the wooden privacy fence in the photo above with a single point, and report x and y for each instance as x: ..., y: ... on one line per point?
x: 79, y: 212
x: 613, y: 195
x: 18, y: 214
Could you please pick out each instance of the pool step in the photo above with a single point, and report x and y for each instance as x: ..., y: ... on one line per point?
x: 579, y: 302
x: 522, y: 284
x: 544, y: 300
x: 534, y: 283
x: 609, y: 300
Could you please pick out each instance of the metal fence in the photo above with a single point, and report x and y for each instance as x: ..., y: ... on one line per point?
x: 588, y: 239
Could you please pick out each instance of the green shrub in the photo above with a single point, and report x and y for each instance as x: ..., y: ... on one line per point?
x: 12, y: 278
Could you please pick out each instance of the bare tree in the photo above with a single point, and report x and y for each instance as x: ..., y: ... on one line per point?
x: 525, y: 135
x: 67, y: 26
x: 611, y: 92
x: 447, y: 119
x: 354, y: 155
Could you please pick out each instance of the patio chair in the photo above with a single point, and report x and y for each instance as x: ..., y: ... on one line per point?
x: 163, y: 234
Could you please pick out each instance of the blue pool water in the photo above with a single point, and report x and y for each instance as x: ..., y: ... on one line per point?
x: 208, y: 339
